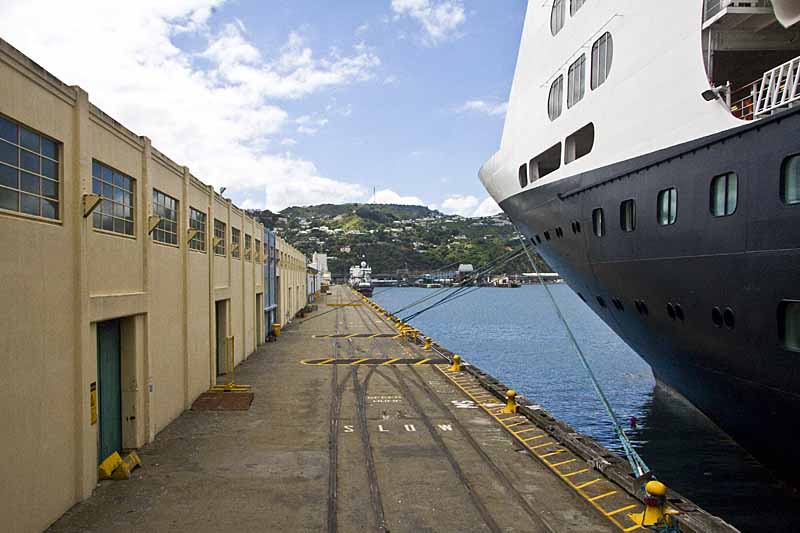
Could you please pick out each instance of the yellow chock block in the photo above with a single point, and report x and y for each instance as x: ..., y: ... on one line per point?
x: 108, y: 466
x: 456, y: 367
x: 133, y: 461
x: 427, y: 343
x: 122, y: 472
x: 511, y: 402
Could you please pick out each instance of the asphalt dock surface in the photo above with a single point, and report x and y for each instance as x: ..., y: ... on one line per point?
x: 347, y: 432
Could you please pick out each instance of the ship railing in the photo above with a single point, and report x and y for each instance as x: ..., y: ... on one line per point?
x: 777, y: 89
x: 714, y: 7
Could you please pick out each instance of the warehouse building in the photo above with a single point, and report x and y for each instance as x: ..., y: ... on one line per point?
x: 124, y: 281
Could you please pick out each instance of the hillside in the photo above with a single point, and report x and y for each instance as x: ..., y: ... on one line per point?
x: 391, y: 237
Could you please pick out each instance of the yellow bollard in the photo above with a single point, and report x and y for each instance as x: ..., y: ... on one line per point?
x: 456, y: 364
x: 511, y: 402
x: 427, y: 343
x: 655, y: 512
x: 276, y: 329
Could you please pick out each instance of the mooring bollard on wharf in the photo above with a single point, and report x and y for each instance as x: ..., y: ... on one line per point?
x: 357, y: 424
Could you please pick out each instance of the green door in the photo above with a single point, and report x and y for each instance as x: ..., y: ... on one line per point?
x: 109, y: 388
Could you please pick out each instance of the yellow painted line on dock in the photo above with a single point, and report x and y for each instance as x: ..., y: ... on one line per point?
x: 390, y: 361
x: 524, y: 431
x: 563, y: 462
x: 462, y: 384
x: 581, y: 471
x: 584, y: 485
x: 536, y: 437
x: 515, y: 424
x: 359, y: 361
x: 626, y: 508
x: 601, y: 496
x: 423, y: 361
x: 552, y: 453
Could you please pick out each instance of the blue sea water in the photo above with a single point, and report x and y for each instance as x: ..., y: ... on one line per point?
x: 516, y: 336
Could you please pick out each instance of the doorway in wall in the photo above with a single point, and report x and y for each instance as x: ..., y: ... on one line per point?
x: 109, y: 384
x: 221, y: 336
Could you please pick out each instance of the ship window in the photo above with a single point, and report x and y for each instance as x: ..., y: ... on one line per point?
x: 602, y: 54
x: 790, y: 180
x: 576, y: 81
x: 729, y: 317
x: 724, y: 194
x: 575, y: 5
x: 523, y: 175
x: 716, y: 317
x: 579, y: 144
x: 557, y: 16
x: 556, y: 98
x: 547, y: 235
x: 618, y: 304
x: 545, y: 163
x: 598, y: 222
x: 627, y: 215
x: 789, y: 325
x: 601, y: 301
x: 667, y: 206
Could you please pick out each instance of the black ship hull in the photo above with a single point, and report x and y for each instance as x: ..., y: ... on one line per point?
x: 657, y: 286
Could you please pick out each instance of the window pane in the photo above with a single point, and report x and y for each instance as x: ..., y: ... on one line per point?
x: 29, y: 161
x: 9, y: 153
x: 29, y: 182
x: 49, y: 168
x: 718, y: 187
x: 49, y: 148
x: 97, y: 219
x: 118, y: 195
x: 791, y: 325
x: 97, y: 186
x: 673, y: 206
x: 30, y: 204
x: 97, y: 171
x: 50, y: 189
x: 129, y: 228
x: 9, y: 199
x: 733, y: 194
x: 29, y: 140
x: 49, y: 209
x: 108, y: 222
x: 108, y: 174
x: 8, y: 130
x: 790, y: 180
x: 9, y: 176
x: 118, y: 180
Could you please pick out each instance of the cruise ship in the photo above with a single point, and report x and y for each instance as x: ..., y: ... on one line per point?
x: 651, y: 155
x: 361, y: 278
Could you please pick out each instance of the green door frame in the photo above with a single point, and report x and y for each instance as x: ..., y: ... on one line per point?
x: 109, y: 384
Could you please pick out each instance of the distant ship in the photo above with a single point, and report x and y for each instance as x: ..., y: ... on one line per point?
x: 361, y: 278
x: 649, y: 169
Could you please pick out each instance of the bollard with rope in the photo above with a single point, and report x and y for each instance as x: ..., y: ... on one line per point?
x: 511, y: 402
x: 456, y: 367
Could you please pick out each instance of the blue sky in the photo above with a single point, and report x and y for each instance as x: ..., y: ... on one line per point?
x: 296, y: 102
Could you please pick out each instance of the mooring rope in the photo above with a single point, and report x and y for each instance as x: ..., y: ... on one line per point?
x: 638, y: 465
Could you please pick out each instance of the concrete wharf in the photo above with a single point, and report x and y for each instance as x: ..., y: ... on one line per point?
x: 355, y: 428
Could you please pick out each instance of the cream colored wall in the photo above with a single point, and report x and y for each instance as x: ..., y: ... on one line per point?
x: 292, y: 284
x: 60, y: 278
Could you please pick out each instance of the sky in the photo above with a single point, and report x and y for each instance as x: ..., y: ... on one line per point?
x: 295, y: 102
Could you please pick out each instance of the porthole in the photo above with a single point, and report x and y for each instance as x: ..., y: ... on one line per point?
x: 601, y: 301
x: 602, y: 55
x: 618, y: 304
x: 627, y: 215
x: 724, y: 194
x: 790, y: 180
x: 578, y: 227
x: 533, y: 241
x: 547, y: 235
x: 645, y: 310
x: 789, y: 325
x: 557, y: 16
x: 555, y: 100
x: 598, y: 222
x: 670, y: 311
x: 679, y: 312
x: 729, y: 317
x: 716, y: 317
x: 638, y: 306
x: 538, y: 239
x: 523, y: 176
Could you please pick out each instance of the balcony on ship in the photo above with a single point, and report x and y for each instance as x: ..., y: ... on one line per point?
x: 743, y: 15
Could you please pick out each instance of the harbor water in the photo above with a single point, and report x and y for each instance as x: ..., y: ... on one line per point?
x: 515, y: 335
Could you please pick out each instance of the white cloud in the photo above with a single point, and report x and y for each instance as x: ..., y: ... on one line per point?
x: 388, y: 196
x: 484, y: 107
x: 487, y: 208
x: 288, y: 141
x: 460, y: 204
x: 215, y: 110
x: 440, y: 19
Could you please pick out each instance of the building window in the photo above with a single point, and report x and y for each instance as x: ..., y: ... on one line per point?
x: 627, y: 215
x: 557, y: 16
x: 29, y: 177
x: 789, y: 325
x: 236, y: 242
x: 667, y: 206
x: 115, y: 213
x: 576, y: 81
x: 545, y: 163
x: 724, y: 194
x: 602, y: 54
x: 575, y: 5
x: 166, y: 207
x: 197, y: 220
x: 257, y: 251
x: 248, y: 247
x: 579, y: 144
x: 219, y: 235
x: 790, y: 180
x: 556, y: 98
x: 523, y: 176
x: 598, y: 222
